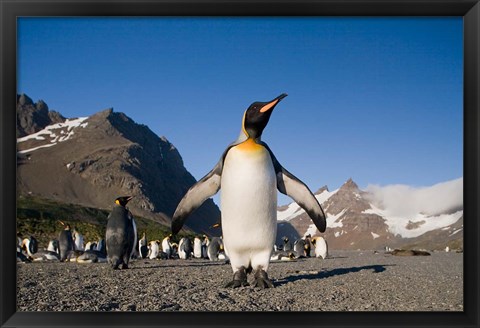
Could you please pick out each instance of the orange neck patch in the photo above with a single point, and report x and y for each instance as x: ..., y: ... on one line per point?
x: 249, y: 145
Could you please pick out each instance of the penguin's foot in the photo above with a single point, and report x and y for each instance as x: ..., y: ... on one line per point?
x: 261, y: 280
x: 239, y: 279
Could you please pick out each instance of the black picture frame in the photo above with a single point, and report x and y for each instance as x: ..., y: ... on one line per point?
x: 10, y: 10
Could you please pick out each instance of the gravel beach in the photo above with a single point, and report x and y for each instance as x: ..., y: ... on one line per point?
x: 347, y: 281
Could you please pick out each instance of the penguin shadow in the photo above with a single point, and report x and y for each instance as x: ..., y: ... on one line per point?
x: 330, y: 273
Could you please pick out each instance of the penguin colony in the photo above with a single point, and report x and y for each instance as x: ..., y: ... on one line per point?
x: 249, y: 175
x: 95, y: 251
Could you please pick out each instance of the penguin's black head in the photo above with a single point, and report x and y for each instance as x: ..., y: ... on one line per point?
x: 257, y: 115
x: 122, y: 201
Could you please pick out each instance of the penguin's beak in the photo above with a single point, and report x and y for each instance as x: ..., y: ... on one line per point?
x: 129, y: 198
x: 270, y: 105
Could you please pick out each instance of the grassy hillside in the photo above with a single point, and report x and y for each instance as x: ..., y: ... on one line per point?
x: 40, y: 218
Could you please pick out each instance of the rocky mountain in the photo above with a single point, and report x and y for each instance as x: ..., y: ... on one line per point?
x: 33, y: 117
x: 356, y: 219
x: 92, y: 160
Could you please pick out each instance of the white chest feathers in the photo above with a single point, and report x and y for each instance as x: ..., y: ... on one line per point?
x: 321, y: 248
x: 197, y: 248
x: 153, y: 250
x: 248, y: 198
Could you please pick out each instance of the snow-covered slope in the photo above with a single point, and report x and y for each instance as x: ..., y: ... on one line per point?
x: 384, y: 216
x: 51, y: 135
x: 411, y: 212
x: 293, y: 210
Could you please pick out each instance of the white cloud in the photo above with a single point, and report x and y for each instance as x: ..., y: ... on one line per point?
x: 404, y: 201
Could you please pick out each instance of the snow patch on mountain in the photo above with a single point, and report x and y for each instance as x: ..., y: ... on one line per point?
x: 69, y: 124
x: 401, y: 225
x: 293, y: 210
x: 333, y: 220
x: 289, y: 212
x: 58, y: 132
x: 35, y: 148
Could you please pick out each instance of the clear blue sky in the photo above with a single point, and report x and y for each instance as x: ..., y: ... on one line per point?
x: 375, y: 99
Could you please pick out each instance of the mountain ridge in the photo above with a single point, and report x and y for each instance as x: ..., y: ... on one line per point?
x: 354, y: 222
x: 92, y: 160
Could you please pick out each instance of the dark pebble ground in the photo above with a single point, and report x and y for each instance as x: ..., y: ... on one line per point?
x: 347, y: 281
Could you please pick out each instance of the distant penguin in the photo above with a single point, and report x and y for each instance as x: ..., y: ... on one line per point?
x: 143, y: 247
x: 101, y: 246
x: 287, y: 244
x: 65, y: 242
x: 89, y: 246
x: 174, y: 252
x: 45, y: 255
x: 21, y: 245
x: 308, y: 245
x: 167, y: 246
x: 153, y: 249
x: 121, y: 234
x: 321, y: 247
x: 197, y: 248
x: 249, y: 175
x: 53, y: 246
x: 185, y: 248
x: 447, y: 249
x: 205, y: 243
x: 92, y: 256
x: 30, y: 245
x: 214, y: 248
x: 78, y: 240
x: 49, y: 254
x: 299, y: 248
x: 282, y: 256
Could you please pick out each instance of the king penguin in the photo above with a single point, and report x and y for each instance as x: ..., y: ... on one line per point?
x: 143, y: 246
x: 249, y: 175
x: 185, y: 248
x: 65, y: 242
x: 121, y: 234
x: 197, y: 248
x: 321, y: 247
x: 167, y: 246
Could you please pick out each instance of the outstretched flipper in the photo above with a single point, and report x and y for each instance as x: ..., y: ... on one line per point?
x: 291, y: 186
x: 205, y: 188
x: 196, y: 195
